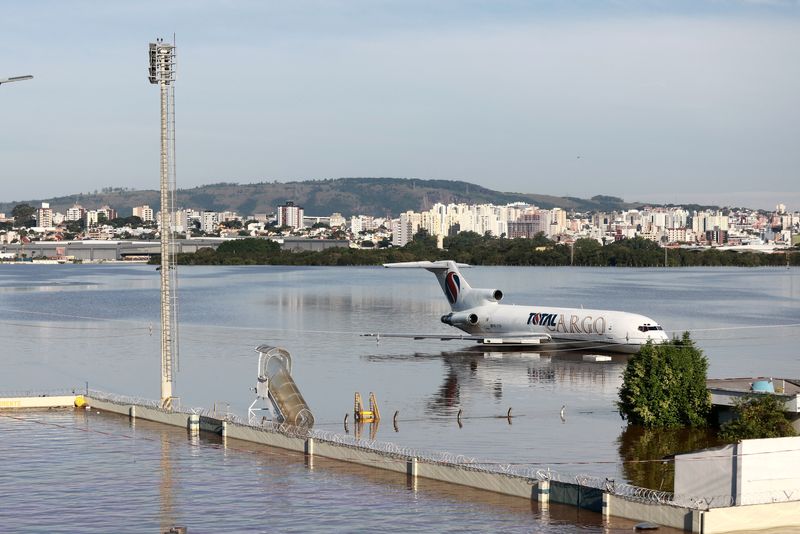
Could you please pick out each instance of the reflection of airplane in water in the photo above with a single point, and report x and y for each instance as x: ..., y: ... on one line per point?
x: 478, y: 312
x: 475, y: 373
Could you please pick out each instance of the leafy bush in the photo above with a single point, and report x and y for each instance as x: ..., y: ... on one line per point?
x: 757, y: 416
x: 664, y: 385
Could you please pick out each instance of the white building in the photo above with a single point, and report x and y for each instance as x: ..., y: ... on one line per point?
x: 75, y: 213
x: 705, y: 221
x: 337, y: 220
x: 181, y: 222
x: 90, y: 217
x: 290, y: 215
x: 356, y: 224
x: 530, y: 223
x: 558, y: 221
x: 44, y: 216
x: 209, y: 220
x: 228, y: 216
x: 404, y: 228
x: 108, y: 211
x: 145, y: 213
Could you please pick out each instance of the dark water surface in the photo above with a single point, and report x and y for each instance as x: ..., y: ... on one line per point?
x: 63, y: 325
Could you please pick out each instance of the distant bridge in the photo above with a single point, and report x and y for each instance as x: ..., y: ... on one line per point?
x: 102, y: 250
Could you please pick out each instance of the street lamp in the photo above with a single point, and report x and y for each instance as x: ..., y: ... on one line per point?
x: 16, y: 79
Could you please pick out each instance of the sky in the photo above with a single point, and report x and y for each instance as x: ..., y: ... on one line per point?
x: 693, y: 101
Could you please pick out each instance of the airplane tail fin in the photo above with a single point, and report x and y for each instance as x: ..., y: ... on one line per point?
x: 455, y: 287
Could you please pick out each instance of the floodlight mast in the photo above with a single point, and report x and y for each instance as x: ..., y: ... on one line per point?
x: 16, y: 79
x: 162, y: 73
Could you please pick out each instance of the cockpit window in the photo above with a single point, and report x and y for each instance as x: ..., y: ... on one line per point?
x: 648, y: 327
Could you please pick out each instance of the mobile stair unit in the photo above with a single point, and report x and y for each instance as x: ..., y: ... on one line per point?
x: 276, y: 391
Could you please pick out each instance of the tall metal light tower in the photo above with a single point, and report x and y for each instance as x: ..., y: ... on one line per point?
x: 162, y: 73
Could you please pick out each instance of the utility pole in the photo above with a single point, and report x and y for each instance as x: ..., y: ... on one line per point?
x: 162, y: 73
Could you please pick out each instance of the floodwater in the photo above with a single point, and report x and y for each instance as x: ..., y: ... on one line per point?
x: 65, y: 325
x: 76, y: 471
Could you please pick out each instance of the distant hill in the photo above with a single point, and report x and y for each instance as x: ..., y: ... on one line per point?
x: 348, y: 196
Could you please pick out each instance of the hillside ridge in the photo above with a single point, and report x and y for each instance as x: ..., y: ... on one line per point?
x: 348, y: 196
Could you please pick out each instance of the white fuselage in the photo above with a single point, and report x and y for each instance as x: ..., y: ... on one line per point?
x: 600, y: 329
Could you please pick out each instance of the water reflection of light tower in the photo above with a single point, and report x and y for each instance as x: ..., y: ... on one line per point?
x: 162, y: 73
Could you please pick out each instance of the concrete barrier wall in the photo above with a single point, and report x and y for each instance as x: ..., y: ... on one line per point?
x: 751, y: 518
x: 210, y: 424
x: 264, y: 437
x: 141, y: 412
x: 576, y: 495
x: 662, y: 514
x: 464, y: 476
x: 361, y: 456
x: 455, y: 474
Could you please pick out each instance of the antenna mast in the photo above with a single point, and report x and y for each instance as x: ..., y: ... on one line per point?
x: 162, y: 73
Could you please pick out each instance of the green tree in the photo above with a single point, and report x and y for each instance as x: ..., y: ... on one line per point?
x: 133, y: 221
x: 588, y: 252
x: 23, y: 215
x: 760, y: 415
x: 76, y: 227
x: 423, y: 245
x: 251, y: 248
x: 664, y: 385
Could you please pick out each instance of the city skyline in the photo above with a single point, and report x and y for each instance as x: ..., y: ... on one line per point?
x: 680, y: 102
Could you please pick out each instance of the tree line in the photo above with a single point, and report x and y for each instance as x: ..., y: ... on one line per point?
x: 475, y: 249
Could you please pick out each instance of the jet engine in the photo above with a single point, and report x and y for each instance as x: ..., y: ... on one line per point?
x: 472, y: 298
x: 460, y: 319
x: 490, y: 295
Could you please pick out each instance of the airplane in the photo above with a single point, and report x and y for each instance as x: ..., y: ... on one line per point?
x: 479, y: 314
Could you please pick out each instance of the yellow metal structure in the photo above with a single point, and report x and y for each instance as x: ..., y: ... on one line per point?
x: 366, y: 416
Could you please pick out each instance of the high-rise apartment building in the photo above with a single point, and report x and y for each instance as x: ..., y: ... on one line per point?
x: 290, y: 215
x: 44, y: 216
x: 75, y: 213
x: 209, y: 221
x: 109, y: 212
x: 145, y: 213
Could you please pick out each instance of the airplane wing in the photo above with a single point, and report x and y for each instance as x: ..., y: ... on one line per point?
x: 499, y: 339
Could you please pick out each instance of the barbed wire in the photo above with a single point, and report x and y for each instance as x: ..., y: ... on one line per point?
x: 78, y: 390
